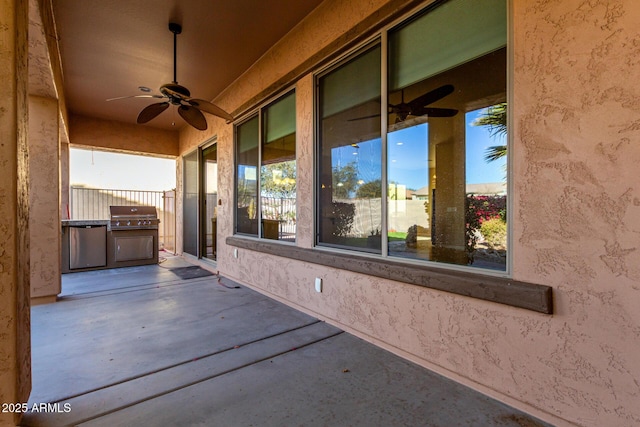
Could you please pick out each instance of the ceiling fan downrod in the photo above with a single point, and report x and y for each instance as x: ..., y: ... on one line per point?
x: 175, y: 29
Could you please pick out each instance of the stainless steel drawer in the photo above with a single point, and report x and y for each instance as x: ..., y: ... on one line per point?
x: 87, y: 246
x: 130, y: 248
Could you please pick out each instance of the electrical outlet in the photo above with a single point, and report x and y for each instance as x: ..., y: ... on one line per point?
x: 318, y: 284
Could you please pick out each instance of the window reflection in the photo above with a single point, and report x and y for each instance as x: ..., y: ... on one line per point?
x: 445, y: 146
x: 278, y: 170
x: 447, y: 70
x: 247, y: 177
x: 266, y: 172
x: 438, y: 177
x: 210, y: 181
x: 350, y: 155
x: 409, y: 194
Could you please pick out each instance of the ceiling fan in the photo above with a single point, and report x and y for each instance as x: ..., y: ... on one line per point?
x: 418, y: 106
x: 190, y: 109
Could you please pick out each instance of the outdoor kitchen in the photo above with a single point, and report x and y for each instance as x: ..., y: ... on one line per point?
x: 129, y: 237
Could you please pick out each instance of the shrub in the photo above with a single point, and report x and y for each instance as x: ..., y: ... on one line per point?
x: 343, y: 214
x: 494, y: 232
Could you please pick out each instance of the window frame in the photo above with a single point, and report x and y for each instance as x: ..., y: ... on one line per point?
x: 258, y: 112
x: 464, y: 281
x: 343, y: 59
x: 381, y: 38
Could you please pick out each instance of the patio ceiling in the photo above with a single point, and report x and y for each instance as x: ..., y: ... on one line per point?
x: 109, y: 48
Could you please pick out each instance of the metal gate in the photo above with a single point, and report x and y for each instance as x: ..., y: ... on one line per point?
x: 169, y: 224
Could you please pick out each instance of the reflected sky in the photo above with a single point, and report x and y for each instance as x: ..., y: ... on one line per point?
x: 408, y: 156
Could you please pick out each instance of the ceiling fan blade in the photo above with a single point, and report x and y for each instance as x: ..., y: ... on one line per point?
x: 151, y: 111
x: 210, y: 108
x: 438, y: 112
x: 434, y: 112
x: 431, y: 97
x: 135, y: 96
x: 363, y: 118
x: 193, y: 116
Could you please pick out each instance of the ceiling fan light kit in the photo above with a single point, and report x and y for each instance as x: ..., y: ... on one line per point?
x: 190, y: 109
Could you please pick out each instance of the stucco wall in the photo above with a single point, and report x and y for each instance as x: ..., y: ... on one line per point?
x: 44, y: 197
x: 110, y: 135
x: 576, y: 221
x: 577, y: 201
x: 15, y: 343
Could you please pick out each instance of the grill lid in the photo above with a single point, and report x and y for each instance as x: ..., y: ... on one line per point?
x: 123, y: 212
x: 133, y: 218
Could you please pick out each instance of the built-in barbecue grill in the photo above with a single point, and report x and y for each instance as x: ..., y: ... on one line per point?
x: 133, y: 236
x: 133, y: 218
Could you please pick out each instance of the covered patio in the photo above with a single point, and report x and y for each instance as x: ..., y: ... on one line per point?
x: 332, y: 92
x: 143, y: 346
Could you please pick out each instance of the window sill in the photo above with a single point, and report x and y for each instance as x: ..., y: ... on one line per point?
x: 525, y: 295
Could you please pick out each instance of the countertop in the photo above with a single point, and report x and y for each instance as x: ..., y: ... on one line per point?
x: 83, y: 222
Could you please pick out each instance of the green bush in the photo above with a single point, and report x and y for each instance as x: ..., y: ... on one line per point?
x: 494, y: 232
x: 343, y: 214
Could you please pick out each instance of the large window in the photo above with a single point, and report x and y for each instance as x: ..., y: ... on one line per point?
x: 436, y: 154
x: 350, y: 165
x: 266, y: 172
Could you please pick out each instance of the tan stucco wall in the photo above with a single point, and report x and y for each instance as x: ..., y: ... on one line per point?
x: 124, y: 137
x: 65, y: 210
x: 15, y: 345
x: 577, y: 204
x: 575, y: 220
x: 44, y: 198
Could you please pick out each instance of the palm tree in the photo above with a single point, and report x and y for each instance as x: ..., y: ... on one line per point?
x: 495, y: 152
x: 495, y: 117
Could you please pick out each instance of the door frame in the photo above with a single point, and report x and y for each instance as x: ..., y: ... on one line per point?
x: 200, y: 243
x: 202, y: 200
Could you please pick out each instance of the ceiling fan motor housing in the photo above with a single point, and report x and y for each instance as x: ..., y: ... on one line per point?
x: 175, y: 28
x: 175, y: 92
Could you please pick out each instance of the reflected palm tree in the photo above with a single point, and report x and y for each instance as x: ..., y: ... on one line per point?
x: 495, y: 152
x: 494, y: 117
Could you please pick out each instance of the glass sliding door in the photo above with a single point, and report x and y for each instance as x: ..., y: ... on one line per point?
x: 200, y: 202
x: 190, y: 204
x: 210, y: 201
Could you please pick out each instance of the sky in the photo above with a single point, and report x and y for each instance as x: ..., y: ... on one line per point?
x: 408, y: 155
x: 478, y: 140
x: 116, y: 171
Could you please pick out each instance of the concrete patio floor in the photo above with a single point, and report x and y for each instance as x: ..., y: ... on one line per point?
x: 140, y: 346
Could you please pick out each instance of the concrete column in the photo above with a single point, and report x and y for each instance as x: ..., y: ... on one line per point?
x: 44, y: 196
x: 65, y: 206
x: 305, y: 227
x: 15, y: 349
x: 447, y: 135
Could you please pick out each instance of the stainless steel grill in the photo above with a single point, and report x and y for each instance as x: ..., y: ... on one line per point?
x: 133, y: 236
x: 133, y: 218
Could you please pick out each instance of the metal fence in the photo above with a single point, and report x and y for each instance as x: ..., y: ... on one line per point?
x: 282, y: 209
x: 168, y: 224
x: 93, y: 203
